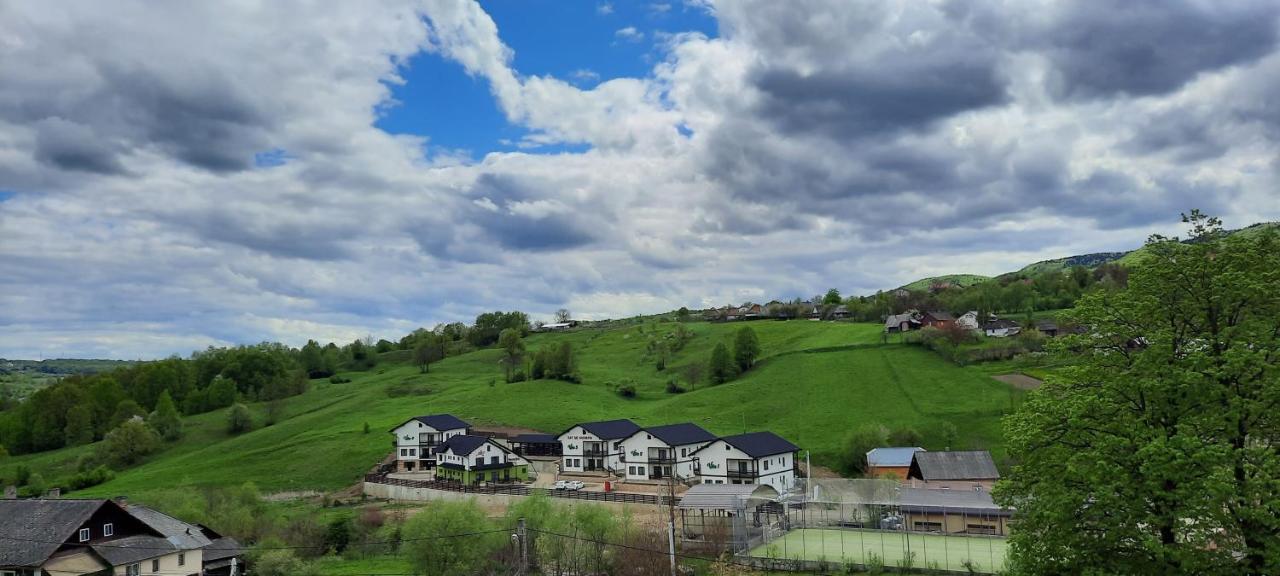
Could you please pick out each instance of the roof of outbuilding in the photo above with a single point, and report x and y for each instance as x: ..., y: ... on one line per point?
x: 892, y: 456
x: 998, y: 324
x: 940, y: 315
x: 949, y: 501
x: 181, y: 534
x: 33, y: 530
x: 895, y: 320
x: 534, y: 438
x: 609, y: 429
x: 968, y: 465
x: 725, y: 496
x: 680, y: 434
x: 222, y: 548
x: 462, y: 444
x: 760, y: 444
x: 132, y: 549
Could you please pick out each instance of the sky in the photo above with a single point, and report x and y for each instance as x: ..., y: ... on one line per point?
x: 180, y: 175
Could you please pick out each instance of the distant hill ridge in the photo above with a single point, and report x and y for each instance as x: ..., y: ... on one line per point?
x: 1093, y: 260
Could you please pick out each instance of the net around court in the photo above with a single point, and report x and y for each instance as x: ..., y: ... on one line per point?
x: 987, y: 554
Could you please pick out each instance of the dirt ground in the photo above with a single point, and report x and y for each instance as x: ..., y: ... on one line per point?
x: 1020, y: 381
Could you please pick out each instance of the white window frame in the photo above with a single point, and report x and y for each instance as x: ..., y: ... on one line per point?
x: 84, y: 535
x: 133, y: 570
x: 182, y: 559
x: 108, y: 530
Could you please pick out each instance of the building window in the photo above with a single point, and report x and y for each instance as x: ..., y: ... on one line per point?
x: 766, y: 464
x: 404, y: 452
x: 108, y: 530
x: 631, y: 470
x: 84, y: 534
x: 155, y: 565
x: 182, y: 559
x: 133, y: 570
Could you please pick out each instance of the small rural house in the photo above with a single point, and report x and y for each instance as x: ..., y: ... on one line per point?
x: 416, y: 439
x: 840, y: 312
x: 966, y: 470
x: 51, y: 536
x: 952, y: 512
x: 969, y: 321
x: 901, y: 322
x: 594, y: 446
x: 474, y: 459
x: 892, y: 462
x: 659, y: 452
x: 1047, y: 327
x: 998, y: 328
x: 937, y: 319
x: 752, y: 458
x: 749, y: 310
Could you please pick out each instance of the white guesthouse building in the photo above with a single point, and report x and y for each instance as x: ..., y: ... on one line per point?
x: 595, y: 446
x: 416, y: 439
x: 659, y: 452
x: 752, y: 458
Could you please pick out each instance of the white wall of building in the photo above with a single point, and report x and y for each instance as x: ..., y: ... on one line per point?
x: 573, y: 444
x: 777, y: 470
x: 637, y: 467
x: 410, y: 435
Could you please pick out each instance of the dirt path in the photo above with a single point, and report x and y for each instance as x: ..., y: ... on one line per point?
x: 1020, y: 381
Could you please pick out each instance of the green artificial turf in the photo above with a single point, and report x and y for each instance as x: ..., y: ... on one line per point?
x: 987, y: 554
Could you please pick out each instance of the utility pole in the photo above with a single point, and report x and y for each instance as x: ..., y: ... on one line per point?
x: 523, y: 537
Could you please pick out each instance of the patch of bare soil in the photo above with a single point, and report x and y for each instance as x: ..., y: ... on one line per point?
x: 1020, y: 381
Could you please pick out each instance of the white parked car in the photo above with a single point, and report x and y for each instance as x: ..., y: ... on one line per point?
x: 560, y: 485
x: 574, y: 485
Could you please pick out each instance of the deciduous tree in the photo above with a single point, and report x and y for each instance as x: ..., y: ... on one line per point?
x: 746, y: 348
x: 721, y: 369
x: 165, y: 419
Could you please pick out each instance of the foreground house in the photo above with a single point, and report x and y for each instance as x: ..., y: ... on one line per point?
x: 594, y: 446
x: 660, y: 452
x: 901, y: 323
x: 417, y: 438
x: 1047, y: 327
x: 894, y: 462
x: 49, y: 536
x: 966, y: 470
x: 474, y: 459
x: 752, y: 458
x: 937, y: 319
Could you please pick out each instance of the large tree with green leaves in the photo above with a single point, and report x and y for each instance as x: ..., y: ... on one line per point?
x: 721, y: 369
x: 432, y: 545
x: 428, y: 349
x: 512, y: 345
x: 1157, y: 452
x: 746, y: 348
x: 165, y: 419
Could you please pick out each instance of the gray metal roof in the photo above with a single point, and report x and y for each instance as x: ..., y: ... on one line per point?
x: 950, y: 502
x: 222, y: 548
x: 680, y: 434
x: 181, y: 534
x: 32, y: 530
x: 725, y: 496
x: 132, y: 549
x: 760, y: 444
x: 892, y: 456
x: 970, y: 465
x: 608, y: 429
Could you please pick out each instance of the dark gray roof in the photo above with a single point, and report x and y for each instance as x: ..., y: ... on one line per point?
x: 221, y: 549
x: 998, y: 324
x: 442, y: 422
x: 181, y: 534
x: 950, y: 502
x: 970, y: 465
x: 760, y: 444
x: 940, y: 315
x: 610, y: 429
x: 680, y: 434
x: 534, y: 438
x: 32, y: 530
x: 132, y: 549
x: 1043, y: 325
x: 462, y: 444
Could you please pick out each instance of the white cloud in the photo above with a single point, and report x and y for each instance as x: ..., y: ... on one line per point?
x: 629, y: 34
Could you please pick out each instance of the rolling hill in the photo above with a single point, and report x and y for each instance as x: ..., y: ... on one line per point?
x: 815, y: 382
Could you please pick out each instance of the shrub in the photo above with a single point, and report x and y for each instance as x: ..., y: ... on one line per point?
x: 517, y: 376
x: 21, y: 475
x: 335, y: 379
x: 673, y: 387
x: 239, y: 420
x: 90, y: 478
x: 282, y: 563
x: 35, y: 484
x: 129, y: 443
x: 627, y: 391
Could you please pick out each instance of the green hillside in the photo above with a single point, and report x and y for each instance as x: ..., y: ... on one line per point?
x: 958, y: 280
x: 816, y: 381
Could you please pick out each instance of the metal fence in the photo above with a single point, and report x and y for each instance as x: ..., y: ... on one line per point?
x: 520, y: 490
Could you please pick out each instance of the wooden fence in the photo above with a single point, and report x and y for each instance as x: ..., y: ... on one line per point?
x: 521, y: 490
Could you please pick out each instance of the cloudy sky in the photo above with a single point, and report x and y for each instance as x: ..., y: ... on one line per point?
x: 180, y: 174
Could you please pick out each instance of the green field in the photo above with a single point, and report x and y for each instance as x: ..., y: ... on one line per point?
x: 986, y: 554
x: 816, y: 381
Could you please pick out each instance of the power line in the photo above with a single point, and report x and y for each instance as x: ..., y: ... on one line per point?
x: 320, y: 546
x: 649, y: 550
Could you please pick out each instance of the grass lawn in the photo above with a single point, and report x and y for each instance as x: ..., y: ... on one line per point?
x: 815, y: 381
x: 388, y: 564
x: 859, y: 546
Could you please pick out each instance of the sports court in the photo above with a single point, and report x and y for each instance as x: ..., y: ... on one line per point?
x: 833, y: 545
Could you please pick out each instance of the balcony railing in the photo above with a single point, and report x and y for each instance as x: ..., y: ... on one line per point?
x: 594, y: 452
x: 664, y: 460
x: 741, y: 473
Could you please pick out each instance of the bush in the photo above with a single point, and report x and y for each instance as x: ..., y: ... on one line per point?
x: 239, y: 420
x: 627, y: 391
x: 282, y: 563
x: 91, y: 478
x: 35, y: 484
x: 517, y: 376
x: 21, y: 475
x: 673, y: 387
x: 335, y: 379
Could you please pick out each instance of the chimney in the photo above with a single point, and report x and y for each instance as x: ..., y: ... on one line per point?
x: 10, y: 492
x: 53, y: 493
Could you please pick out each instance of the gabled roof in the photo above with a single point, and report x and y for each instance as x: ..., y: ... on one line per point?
x: 222, y: 548
x: 181, y: 534
x: 679, y: 434
x: 725, y: 496
x: 896, y: 320
x: 998, y: 323
x: 970, y: 465
x: 461, y: 444
x: 923, y: 500
x: 892, y: 456
x: 1044, y: 325
x: 32, y: 530
x: 759, y: 444
x: 442, y: 422
x: 940, y: 315
x: 608, y: 429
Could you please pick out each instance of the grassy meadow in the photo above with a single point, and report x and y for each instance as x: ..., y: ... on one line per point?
x: 814, y: 382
